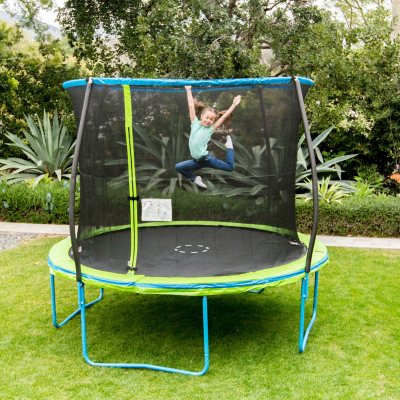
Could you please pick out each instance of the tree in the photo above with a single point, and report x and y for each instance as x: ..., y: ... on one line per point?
x: 198, y: 39
x: 31, y: 75
x: 356, y: 70
x: 355, y: 12
x: 26, y: 12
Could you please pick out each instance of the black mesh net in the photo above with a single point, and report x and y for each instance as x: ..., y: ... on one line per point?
x: 259, y: 190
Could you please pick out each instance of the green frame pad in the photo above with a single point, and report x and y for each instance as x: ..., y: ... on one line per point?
x: 60, y: 263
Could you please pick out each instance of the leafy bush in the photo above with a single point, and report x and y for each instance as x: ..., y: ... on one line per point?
x: 31, y: 76
x: 362, y: 188
x: 375, y: 216
x: 47, y: 202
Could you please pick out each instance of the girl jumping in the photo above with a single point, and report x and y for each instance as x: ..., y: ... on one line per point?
x: 200, y: 134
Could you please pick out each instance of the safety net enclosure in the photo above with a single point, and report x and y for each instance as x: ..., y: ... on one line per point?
x: 146, y: 227
x: 135, y: 132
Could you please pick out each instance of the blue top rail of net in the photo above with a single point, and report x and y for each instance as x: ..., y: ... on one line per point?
x: 189, y: 82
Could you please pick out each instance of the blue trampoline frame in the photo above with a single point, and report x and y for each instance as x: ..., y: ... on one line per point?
x: 82, y: 306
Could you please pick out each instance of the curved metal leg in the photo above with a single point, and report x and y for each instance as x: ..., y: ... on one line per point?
x: 81, y: 291
x: 76, y: 312
x: 303, y: 335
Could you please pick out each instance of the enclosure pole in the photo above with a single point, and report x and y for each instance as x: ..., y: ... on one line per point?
x: 72, y: 187
x: 313, y: 173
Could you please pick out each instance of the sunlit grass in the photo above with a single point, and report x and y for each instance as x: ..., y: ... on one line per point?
x: 353, y: 351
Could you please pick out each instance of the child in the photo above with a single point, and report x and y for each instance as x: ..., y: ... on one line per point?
x: 200, y: 135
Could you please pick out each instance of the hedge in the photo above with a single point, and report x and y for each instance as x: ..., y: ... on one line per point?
x: 46, y: 203
x: 375, y: 216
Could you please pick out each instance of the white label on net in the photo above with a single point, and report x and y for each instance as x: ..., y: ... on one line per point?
x: 156, y: 209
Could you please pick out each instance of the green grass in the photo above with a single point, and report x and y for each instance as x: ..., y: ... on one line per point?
x: 353, y: 350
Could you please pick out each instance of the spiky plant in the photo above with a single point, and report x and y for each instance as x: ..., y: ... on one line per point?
x: 251, y: 165
x: 158, y: 171
x: 328, y: 192
x: 303, y: 170
x: 48, y: 149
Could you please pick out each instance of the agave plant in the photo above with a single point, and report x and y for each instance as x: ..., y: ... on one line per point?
x: 362, y: 189
x: 156, y: 166
x: 303, y: 170
x: 156, y: 170
x: 48, y: 149
x: 248, y: 177
x: 251, y: 165
x: 328, y: 192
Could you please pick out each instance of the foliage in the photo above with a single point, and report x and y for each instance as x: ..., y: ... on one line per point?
x: 159, y: 172
x: 369, y: 181
x: 373, y: 216
x: 48, y: 147
x: 354, y: 62
x: 369, y: 174
x: 377, y: 216
x: 362, y: 188
x: 356, y: 69
x: 31, y: 75
x: 173, y: 38
x: 328, y: 192
x: 248, y: 178
x: 44, y: 203
x: 27, y: 11
x: 198, y: 39
x: 303, y: 170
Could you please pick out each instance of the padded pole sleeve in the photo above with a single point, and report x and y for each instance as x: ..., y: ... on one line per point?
x: 313, y: 173
x: 72, y: 189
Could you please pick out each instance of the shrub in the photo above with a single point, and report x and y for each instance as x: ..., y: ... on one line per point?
x: 44, y: 203
x: 375, y: 216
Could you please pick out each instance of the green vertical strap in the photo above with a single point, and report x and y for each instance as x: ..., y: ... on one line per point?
x: 132, y: 176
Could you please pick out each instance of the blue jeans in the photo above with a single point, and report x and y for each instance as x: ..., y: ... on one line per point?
x: 186, y: 168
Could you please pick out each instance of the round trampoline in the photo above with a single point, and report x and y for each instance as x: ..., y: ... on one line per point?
x: 191, y: 259
x: 146, y: 228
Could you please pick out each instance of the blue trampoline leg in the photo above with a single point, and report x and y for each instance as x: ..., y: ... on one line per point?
x: 54, y: 305
x: 81, y: 295
x: 303, y: 336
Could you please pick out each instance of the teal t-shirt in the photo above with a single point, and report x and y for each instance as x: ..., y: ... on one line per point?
x: 198, y: 140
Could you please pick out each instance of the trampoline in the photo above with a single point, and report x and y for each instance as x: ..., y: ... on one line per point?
x: 145, y: 229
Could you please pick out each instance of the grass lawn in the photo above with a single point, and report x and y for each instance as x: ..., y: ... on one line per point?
x: 353, y: 351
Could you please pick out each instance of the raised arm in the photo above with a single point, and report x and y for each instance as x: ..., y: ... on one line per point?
x: 228, y: 112
x: 192, y: 112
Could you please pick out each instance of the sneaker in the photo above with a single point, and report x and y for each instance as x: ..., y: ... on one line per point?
x: 228, y: 143
x: 199, y: 182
